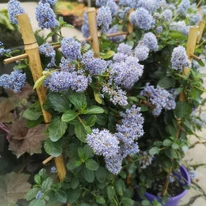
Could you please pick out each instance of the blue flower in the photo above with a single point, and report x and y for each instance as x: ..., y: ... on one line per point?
x: 95, y: 66
x: 53, y: 170
x: 67, y: 65
x: 71, y: 48
x: 183, y: 7
x: 116, y: 94
x: 15, y: 81
x: 124, y: 49
x: 149, y: 5
x: 104, y: 18
x: 103, y: 143
x: 45, y: 16
x: 85, y: 26
x: 179, y: 58
x: 39, y: 194
x: 113, y: 30
x: 51, y: 2
x: 114, y: 164
x: 14, y: 8
x: 167, y: 14
x: 150, y: 40
x: 48, y: 51
x: 142, y: 19
x: 142, y: 52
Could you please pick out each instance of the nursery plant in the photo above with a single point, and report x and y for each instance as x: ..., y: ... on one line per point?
x: 122, y: 107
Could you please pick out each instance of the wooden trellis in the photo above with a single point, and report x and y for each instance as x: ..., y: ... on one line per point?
x: 32, y: 53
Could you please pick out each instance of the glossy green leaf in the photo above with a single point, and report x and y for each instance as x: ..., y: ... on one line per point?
x: 57, y: 129
x: 94, y: 110
x: 110, y: 192
x: 154, y: 150
x: 53, y: 148
x: 88, y: 175
x: 80, y: 132
x: 78, y: 100
x: 92, y: 165
x: 69, y: 116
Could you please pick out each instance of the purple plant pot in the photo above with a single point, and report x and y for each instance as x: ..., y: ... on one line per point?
x: 174, y: 201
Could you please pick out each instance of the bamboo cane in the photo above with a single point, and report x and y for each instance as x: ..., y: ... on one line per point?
x: 91, y: 12
x: 31, y: 49
x: 130, y: 26
x: 201, y: 29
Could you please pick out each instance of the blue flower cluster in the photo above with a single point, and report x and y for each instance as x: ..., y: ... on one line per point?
x: 48, y: 51
x: 71, y: 48
x: 142, y: 19
x: 85, y: 27
x: 14, y: 8
x: 51, y: 2
x: 112, y: 6
x: 60, y: 81
x: 150, y: 40
x: 125, y: 70
x: 195, y: 18
x: 142, y: 52
x: 104, y: 18
x: 67, y: 65
x: 95, y: 66
x: 116, y: 94
x: 115, y: 147
x: 183, y: 7
x: 167, y: 15
x: 15, y: 81
x: 4, y: 51
x: 145, y: 159
x: 179, y: 58
x: 45, y: 16
x: 159, y: 98
x: 113, y: 30
x: 180, y: 26
x: 103, y: 143
x: 149, y: 5
x: 39, y: 195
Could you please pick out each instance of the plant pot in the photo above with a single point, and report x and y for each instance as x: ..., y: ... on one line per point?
x: 174, y: 201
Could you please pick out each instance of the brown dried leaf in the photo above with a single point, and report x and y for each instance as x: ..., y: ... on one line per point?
x: 8, y: 118
x: 26, y: 139
x: 13, y: 186
x: 6, y: 106
x: 26, y: 91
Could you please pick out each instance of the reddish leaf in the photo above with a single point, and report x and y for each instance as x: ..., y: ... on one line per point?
x: 13, y: 186
x: 24, y: 139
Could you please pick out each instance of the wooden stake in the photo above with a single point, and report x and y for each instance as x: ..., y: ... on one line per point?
x: 13, y: 59
x: 32, y: 50
x: 201, y: 29
x: 91, y: 12
x: 130, y: 26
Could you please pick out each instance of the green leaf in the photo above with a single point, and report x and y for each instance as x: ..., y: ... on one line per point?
x: 31, y: 115
x: 92, y: 165
x: 59, y: 102
x: 172, y: 130
x: 88, y: 151
x: 31, y: 194
x: 46, y: 184
x: 80, y: 132
x: 110, y: 192
x: 73, y: 163
x: 167, y: 143
x: 100, y: 200
x: 146, y: 203
x: 74, y: 183
x: 127, y: 201
x: 37, y: 202
x: 78, y: 100
x: 154, y: 150
x: 120, y: 187
x: 91, y: 120
x: 69, y: 116
x: 107, y: 55
x: 97, y: 97
x: 53, y: 148
x: 61, y: 196
x: 201, y: 63
x: 166, y: 82
x: 73, y: 195
x: 81, y: 153
x: 93, y: 110
x: 37, y: 179
x: 88, y: 175
x: 175, y: 146
x: 39, y: 82
x: 57, y: 129
x: 183, y: 109
x: 101, y: 174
